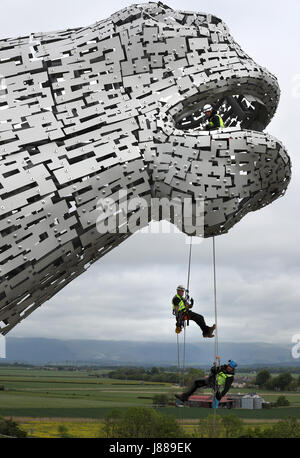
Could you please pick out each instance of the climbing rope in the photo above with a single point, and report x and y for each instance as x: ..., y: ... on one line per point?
x: 183, y: 364
x: 189, y: 269
x: 184, y: 323
x: 187, y: 297
x: 184, y: 328
x: 178, y: 355
x: 217, y: 357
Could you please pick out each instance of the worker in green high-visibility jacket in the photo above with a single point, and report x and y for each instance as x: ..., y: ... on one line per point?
x: 214, y: 119
x: 220, y: 380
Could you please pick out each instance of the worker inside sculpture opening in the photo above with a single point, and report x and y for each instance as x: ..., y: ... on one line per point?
x: 242, y: 111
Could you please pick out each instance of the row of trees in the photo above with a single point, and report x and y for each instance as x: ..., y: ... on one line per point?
x: 155, y: 374
x: 148, y: 375
x: 264, y: 379
x: 141, y: 422
x: 162, y: 400
x: 9, y: 428
x: 231, y: 426
x: 281, y: 382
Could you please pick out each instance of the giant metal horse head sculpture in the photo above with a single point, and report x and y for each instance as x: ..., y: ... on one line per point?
x: 87, y: 112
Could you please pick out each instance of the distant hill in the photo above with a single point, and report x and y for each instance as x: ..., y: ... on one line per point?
x: 110, y: 352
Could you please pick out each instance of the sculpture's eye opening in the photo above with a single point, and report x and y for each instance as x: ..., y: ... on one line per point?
x: 240, y: 110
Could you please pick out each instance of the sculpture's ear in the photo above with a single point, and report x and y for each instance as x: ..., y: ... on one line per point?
x: 159, y: 12
x: 132, y: 13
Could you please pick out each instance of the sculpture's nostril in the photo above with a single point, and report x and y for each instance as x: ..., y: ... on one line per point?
x: 237, y: 110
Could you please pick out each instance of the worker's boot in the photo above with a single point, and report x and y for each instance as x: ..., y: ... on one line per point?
x: 178, y: 328
x: 181, y: 397
x: 210, y: 331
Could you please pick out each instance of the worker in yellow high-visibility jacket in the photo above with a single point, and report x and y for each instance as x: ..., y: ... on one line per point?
x: 220, y: 380
x: 181, y: 309
x: 215, y: 121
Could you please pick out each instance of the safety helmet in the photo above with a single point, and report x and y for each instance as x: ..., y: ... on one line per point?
x: 181, y: 287
x: 207, y: 107
x: 232, y: 363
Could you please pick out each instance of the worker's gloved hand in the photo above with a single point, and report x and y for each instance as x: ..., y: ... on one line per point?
x: 213, y: 369
x: 191, y: 303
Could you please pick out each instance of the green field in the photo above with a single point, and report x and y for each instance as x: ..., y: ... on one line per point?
x: 41, y: 393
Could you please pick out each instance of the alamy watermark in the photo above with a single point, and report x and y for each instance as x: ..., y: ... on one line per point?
x: 121, y: 214
x: 296, y: 347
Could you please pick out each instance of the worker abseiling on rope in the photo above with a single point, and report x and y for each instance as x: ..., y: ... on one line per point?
x: 214, y: 119
x: 220, y: 380
x: 181, y: 309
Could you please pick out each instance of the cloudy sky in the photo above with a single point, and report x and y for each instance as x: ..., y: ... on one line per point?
x: 127, y: 294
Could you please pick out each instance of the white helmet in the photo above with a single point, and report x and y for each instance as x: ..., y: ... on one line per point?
x: 207, y: 107
x: 180, y: 287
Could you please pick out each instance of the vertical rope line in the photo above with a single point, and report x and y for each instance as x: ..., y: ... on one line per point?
x: 187, y: 296
x: 215, y: 300
x: 178, y: 364
x: 217, y: 358
x: 189, y: 265
x: 178, y: 370
x: 183, y: 364
x: 178, y: 357
x: 184, y: 325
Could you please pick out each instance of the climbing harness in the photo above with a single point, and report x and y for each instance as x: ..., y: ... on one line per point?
x: 182, y: 320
